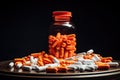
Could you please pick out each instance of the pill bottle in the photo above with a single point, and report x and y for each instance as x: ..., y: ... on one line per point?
x: 62, y: 37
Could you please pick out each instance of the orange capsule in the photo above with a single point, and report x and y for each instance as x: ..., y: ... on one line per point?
x: 64, y: 44
x: 20, y: 60
x: 66, y: 54
x: 58, y: 35
x: 55, y: 43
x: 40, y: 63
x: 62, y: 53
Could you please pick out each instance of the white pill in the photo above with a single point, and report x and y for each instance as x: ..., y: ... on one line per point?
x: 88, y: 62
x: 71, y: 58
x: 27, y: 62
x: 90, y: 68
x: 78, y: 67
x: 73, y: 67
x: 55, y: 60
x: 90, y: 51
x: 78, y: 63
x: 32, y: 59
x: 81, y: 59
x: 96, y: 58
x: 82, y: 68
x: 113, y: 64
x: 33, y: 66
x: 11, y: 64
x: 35, y: 60
x: 19, y: 65
x: 52, y: 65
x: 84, y: 53
x: 40, y: 68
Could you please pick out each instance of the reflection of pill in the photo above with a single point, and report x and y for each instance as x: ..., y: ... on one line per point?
x: 71, y: 69
x: 113, y: 64
x: 12, y: 69
x: 62, y: 69
x: 11, y: 64
x: 27, y: 68
x: 51, y: 70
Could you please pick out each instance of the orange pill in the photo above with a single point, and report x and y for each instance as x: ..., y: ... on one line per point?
x: 68, y: 42
x: 57, y: 54
x: 64, y: 38
x: 40, y: 63
x: 35, y: 55
x: 40, y: 58
x: 46, y: 61
x: 66, y: 54
x: 58, y: 35
x: 46, y: 55
x: 55, y: 43
x: 19, y: 60
x: 51, y: 57
x: 70, y: 47
x: 64, y: 44
x: 70, y: 54
x: 62, y: 53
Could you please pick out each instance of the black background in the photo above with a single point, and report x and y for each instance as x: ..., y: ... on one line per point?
x: 24, y: 26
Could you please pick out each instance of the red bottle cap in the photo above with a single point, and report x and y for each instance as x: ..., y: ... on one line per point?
x: 62, y: 13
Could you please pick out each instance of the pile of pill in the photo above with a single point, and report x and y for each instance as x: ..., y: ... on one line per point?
x: 62, y: 46
x: 85, y: 61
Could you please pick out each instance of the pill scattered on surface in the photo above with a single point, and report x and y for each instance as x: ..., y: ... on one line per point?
x: 90, y: 68
x: 40, y: 68
x: 113, y: 64
x: 90, y: 51
x: 11, y: 64
x: 87, y: 61
x: 19, y: 65
x: 96, y: 58
x: 52, y: 65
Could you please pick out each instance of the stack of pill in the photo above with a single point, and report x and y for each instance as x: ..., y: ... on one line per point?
x: 85, y: 61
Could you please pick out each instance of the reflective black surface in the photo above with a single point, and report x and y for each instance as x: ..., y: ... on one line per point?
x: 6, y: 72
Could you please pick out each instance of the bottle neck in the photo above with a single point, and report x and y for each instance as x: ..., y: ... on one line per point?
x: 62, y: 18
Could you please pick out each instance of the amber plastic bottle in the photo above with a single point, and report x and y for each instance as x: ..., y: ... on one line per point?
x: 62, y: 38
